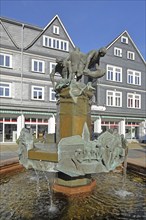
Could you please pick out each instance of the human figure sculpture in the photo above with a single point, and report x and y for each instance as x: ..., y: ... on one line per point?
x: 60, y: 68
x: 78, y: 64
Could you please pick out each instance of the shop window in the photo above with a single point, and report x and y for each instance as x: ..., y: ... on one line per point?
x: 33, y: 120
x: 27, y: 119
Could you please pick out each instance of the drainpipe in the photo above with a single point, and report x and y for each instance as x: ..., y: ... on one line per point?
x: 21, y: 94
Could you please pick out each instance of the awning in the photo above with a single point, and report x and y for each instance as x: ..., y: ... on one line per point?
x: 26, y: 112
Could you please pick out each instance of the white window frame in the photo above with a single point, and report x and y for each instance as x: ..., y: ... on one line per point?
x: 51, y: 66
x: 113, y: 74
x: 37, y: 89
x: 38, y: 62
x: 133, y: 100
x: 124, y: 40
x: 51, y: 93
x: 114, y: 99
x: 55, y: 43
x: 5, y: 86
x: 117, y: 52
x: 130, y: 55
x: 10, y: 60
x: 55, y: 29
x: 133, y: 77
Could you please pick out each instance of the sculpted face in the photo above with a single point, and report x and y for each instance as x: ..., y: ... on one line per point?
x: 102, y: 51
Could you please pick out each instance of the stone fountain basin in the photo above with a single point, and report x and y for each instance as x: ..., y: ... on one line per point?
x: 44, y: 152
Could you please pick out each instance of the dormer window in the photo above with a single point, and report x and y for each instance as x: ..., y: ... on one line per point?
x: 124, y: 40
x: 55, y: 43
x: 55, y: 30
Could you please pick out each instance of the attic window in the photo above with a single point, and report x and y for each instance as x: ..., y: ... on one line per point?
x: 55, y: 29
x: 124, y: 40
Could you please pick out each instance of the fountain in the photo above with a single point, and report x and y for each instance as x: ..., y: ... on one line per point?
x: 74, y: 178
x: 74, y: 156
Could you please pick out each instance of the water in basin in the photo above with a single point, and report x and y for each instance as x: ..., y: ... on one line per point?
x: 25, y: 197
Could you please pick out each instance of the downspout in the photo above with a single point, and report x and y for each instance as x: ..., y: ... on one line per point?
x: 21, y: 101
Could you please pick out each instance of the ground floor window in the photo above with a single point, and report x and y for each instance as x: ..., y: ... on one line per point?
x: 8, y: 129
x: 37, y: 126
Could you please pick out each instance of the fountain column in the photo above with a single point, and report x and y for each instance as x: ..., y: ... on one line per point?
x: 71, y: 115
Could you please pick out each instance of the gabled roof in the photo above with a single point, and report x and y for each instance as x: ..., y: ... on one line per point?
x: 41, y: 33
x: 9, y: 35
x: 125, y: 32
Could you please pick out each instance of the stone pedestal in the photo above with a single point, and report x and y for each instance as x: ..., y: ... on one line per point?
x: 72, y: 115
x: 70, y: 186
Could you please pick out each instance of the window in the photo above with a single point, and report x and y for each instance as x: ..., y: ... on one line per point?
x: 124, y: 40
x: 114, y: 73
x: 114, y: 98
x: 5, y: 90
x: 37, y: 93
x: 130, y: 55
x: 133, y: 77
x: 118, y: 52
x: 52, y: 95
x: 55, y: 43
x: 52, y: 66
x: 38, y: 66
x: 5, y: 60
x: 133, y: 100
x: 55, y: 29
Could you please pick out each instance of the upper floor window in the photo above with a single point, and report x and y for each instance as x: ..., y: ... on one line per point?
x: 5, y: 60
x: 52, y: 95
x: 55, y: 29
x: 133, y: 77
x: 5, y: 89
x: 133, y: 100
x: 52, y: 66
x: 38, y: 66
x: 37, y: 93
x: 114, y: 98
x: 114, y: 73
x: 55, y: 43
x: 124, y: 40
x: 130, y: 55
x: 117, y: 51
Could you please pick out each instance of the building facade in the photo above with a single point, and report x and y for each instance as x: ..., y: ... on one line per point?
x: 27, y: 56
x: 122, y: 90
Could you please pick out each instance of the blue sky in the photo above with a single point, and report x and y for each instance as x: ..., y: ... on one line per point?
x: 90, y: 24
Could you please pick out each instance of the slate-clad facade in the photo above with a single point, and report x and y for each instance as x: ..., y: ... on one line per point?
x: 123, y: 88
x: 27, y: 56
